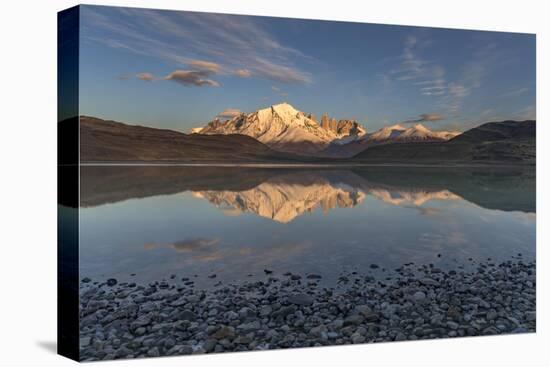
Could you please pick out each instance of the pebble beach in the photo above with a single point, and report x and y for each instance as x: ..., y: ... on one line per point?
x: 172, y: 316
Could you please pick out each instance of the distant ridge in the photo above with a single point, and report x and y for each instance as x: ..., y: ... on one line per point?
x: 388, y: 135
x: 495, y: 131
x: 102, y: 141
x: 498, y: 142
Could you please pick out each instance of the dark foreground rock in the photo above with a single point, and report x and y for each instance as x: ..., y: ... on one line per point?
x: 120, y: 321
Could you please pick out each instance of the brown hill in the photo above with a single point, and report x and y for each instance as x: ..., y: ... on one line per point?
x: 111, y: 141
x: 497, y: 131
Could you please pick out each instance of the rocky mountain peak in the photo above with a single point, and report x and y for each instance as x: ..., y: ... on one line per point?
x: 312, y: 117
x: 284, y: 109
x: 280, y: 126
x: 342, y: 128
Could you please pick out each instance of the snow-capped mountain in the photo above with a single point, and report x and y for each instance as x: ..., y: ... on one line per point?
x: 388, y: 135
x: 196, y: 130
x: 398, y: 133
x: 283, y: 128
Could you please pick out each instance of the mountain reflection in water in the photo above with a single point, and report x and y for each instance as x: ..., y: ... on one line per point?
x: 286, y: 197
x: 282, y: 201
x: 285, y: 194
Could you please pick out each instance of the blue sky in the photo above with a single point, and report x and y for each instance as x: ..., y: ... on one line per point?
x: 178, y: 70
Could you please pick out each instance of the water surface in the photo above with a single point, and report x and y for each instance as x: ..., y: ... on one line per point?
x: 194, y: 222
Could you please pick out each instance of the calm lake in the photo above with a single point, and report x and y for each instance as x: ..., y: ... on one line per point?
x: 158, y: 221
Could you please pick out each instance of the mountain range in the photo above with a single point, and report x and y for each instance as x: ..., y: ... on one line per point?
x: 284, y: 128
x: 387, y: 135
x: 282, y: 134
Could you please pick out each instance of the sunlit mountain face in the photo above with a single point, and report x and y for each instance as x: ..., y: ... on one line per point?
x: 284, y: 128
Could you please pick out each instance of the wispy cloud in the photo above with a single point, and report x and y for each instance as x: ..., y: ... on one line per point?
x: 433, y: 87
x: 188, y: 78
x: 417, y: 67
x: 224, y: 44
x: 199, y: 75
x: 418, y: 70
x: 208, y: 66
x: 487, y: 112
x: 425, y: 74
x: 279, y: 91
x: 425, y: 117
x: 529, y: 112
x: 473, y: 73
x: 148, y: 77
x: 191, y: 78
x: 243, y: 73
x: 515, y: 92
x: 229, y: 113
x: 457, y: 93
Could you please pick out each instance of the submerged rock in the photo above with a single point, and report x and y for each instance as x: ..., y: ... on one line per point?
x: 314, y: 276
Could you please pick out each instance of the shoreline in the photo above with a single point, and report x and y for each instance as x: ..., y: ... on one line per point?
x: 127, y: 320
x: 305, y: 165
